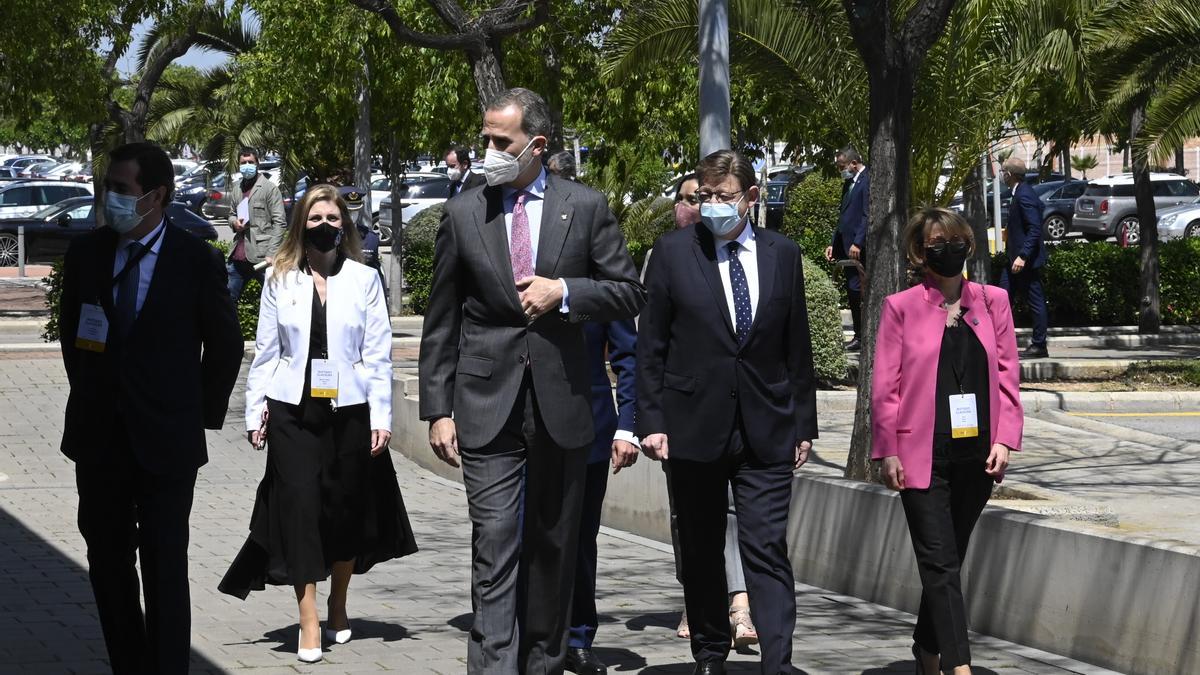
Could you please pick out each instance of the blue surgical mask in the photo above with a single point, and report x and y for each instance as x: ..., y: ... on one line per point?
x: 120, y: 212
x: 248, y: 170
x: 720, y: 218
x: 848, y: 174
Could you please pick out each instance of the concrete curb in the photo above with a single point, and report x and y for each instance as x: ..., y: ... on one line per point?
x: 1068, y: 401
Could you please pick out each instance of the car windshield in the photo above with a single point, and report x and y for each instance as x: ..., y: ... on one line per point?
x: 48, y: 211
x: 775, y: 191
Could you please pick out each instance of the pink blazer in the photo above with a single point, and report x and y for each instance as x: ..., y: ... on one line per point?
x: 904, y: 382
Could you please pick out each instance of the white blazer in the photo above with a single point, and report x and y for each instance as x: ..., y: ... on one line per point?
x: 359, y: 340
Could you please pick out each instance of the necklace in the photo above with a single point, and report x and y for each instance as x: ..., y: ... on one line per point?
x: 953, y: 312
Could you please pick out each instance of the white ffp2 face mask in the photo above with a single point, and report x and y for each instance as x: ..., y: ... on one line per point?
x: 454, y: 174
x: 501, y: 167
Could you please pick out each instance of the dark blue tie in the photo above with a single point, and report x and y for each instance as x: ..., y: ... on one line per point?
x: 741, y: 293
x: 127, y: 292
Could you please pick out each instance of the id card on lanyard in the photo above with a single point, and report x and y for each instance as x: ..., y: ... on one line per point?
x: 964, y: 413
x: 92, y: 332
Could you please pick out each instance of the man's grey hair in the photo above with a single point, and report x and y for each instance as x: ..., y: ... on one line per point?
x: 850, y: 154
x: 563, y: 164
x: 535, y: 114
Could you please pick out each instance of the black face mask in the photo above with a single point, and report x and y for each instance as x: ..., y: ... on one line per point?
x: 324, y: 237
x: 947, y: 259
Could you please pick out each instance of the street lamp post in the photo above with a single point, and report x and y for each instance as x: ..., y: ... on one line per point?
x: 714, y: 76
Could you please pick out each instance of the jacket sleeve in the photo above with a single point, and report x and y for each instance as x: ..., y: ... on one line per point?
x: 654, y: 334
x: 222, y: 335
x: 613, y: 290
x: 266, y: 352
x: 442, y: 328
x: 622, y: 358
x: 800, y: 362
x: 864, y: 203
x: 278, y: 220
x: 377, y: 354
x: 1031, y: 214
x: 885, y: 382
x: 1012, y: 414
x: 69, y: 307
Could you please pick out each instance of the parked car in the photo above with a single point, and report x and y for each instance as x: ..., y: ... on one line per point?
x: 183, y: 166
x: 1180, y: 221
x: 1059, y: 197
x: 63, y: 171
x: 38, y: 169
x: 1108, y: 207
x: 777, y: 192
x: 25, y: 198
x: 217, y: 206
x: 13, y: 165
x: 49, y: 231
x: 417, y: 193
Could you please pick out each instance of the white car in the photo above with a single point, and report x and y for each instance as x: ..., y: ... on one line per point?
x: 27, y: 197
x: 420, y: 191
x: 64, y: 171
x: 1181, y: 221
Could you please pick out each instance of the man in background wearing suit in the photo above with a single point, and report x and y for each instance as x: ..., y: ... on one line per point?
x: 458, y: 170
x: 726, y: 395
x: 518, y: 267
x: 152, y: 347
x: 850, y: 237
x: 1026, y: 253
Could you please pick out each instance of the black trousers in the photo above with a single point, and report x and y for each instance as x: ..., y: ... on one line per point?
x: 584, y: 621
x: 1028, y: 284
x: 523, y: 545
x: 126, y: 513
x: 940, y: 521
x: 763, y: 494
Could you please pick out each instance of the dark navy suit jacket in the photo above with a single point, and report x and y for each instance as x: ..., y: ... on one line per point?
x: 620, y: 338
x: 1025, y: 226
x: 852, y: 224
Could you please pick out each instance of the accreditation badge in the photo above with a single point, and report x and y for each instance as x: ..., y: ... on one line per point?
x: 324, y: 379
x: 964, y: 416
x: 92, y: 334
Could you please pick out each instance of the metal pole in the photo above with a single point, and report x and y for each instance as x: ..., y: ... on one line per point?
x: 21, y: 251
x: 996, y: 187
x: 578, y: 163
x: 715, y: 128
x: 983, y: 166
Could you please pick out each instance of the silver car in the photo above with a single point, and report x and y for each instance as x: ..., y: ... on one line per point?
x: 1181, y: 221
x: 1108, y: 207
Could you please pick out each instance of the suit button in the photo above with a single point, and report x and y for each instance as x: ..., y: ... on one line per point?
x: 521, y: 359
x: 739, y: 359
x: 733, y: 393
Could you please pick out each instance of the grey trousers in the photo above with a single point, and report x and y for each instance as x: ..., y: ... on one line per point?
x: 523, y: 550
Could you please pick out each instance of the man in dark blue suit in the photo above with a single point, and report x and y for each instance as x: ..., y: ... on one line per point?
x: 616, y: 343
x: 1026, y: 253
x: 850, y: 237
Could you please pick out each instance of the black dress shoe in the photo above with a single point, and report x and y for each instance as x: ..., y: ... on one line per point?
x: 853, y: 345
x: 1035, y: 352
x: 710, y: 668
x: 584, y: 662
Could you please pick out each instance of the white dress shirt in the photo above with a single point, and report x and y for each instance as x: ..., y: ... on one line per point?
x: 533, y: 211
x: 748, y: 256
x: 145, y: 265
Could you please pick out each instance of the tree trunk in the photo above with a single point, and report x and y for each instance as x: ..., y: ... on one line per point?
x: 975, y: 211
x: 1066, y: 160
x: 362, y: 141
x: 487, y: 70
x: 1179, y: 163
x: 553, y: 93
x: 1149, y: 318
x: 888, y: 207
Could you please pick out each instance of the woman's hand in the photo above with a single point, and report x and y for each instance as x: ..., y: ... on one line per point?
x: 997, y: 461
x: 379, y: 440
x: 893, y: 473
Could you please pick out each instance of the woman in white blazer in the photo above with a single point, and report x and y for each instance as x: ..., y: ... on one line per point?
x: 319, y: 394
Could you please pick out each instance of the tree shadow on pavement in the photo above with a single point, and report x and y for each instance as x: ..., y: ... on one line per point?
x: 49, y: 609
x: 654, y: 620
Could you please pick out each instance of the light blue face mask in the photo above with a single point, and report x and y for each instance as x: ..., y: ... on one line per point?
x: 120, y: 212
x: 720, y: 218
x: 248, y: 170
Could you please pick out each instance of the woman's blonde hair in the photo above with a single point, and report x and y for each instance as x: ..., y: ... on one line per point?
x: 291, y: 254
x: 919, y: 226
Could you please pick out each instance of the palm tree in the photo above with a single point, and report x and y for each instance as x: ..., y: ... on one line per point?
x: 1084, y: 163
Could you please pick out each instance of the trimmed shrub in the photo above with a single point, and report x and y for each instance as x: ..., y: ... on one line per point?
x: 825, y: 324
x: 53, y: 300
x: 247, y: 309
x: 1179, y: 281
x: 420, y: 235
x: 811, y: 216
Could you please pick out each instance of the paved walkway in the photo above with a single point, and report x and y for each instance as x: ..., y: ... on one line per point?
x: 410, y: 615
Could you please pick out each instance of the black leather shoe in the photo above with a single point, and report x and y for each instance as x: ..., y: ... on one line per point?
x: 853, y: 345
x: 710, y: 668
x: 1035, y: 352
x: 584, y: 662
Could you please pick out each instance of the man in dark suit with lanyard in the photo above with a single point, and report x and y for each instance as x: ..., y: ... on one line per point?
x: 726, y: 395
x: 458, y: 170
x: 1026, y: 253
x: 850, y: 237
x: 518, y: 267
x: 152, y: 347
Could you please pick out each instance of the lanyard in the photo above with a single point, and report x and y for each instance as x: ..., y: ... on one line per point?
x: 958, y: 361
x: 129, y: 264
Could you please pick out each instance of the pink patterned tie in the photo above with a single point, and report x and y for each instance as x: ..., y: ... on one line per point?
x: 521, y: 249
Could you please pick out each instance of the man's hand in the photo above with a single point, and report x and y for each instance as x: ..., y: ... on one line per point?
x: 255, y: 438
x: 624, y: 454
x: 893, y: 473
x: 379, y: 441
x: 855, y: 251
x: 539, y: 295
x: 829, y: 253
x: 802, y: 448
x: 444, y: 440
x: 655, y: 446
x: 997, y: 461
x: 238, y: 224
x: 1018, y: 265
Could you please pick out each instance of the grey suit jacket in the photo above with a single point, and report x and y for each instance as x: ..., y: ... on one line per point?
x: 477, y: 343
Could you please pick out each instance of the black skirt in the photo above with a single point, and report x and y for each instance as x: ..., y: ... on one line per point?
x: 323, y: 499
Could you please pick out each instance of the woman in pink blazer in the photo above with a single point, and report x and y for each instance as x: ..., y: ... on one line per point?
x: 945, y: 413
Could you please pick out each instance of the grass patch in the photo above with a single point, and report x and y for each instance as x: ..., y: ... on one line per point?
x: 1164, y: 374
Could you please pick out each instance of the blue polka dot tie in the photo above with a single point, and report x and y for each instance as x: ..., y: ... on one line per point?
x: 741, y: 293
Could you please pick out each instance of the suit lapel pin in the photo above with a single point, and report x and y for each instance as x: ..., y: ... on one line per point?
x: 974, y: 322
x: 564, y: 216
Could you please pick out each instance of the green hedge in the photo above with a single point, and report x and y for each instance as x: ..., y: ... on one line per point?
x: 825, y: 323
x: 813, y: 207
x: 1096, y: 284
x: 420, y: 235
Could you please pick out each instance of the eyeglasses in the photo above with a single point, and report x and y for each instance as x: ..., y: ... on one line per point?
x: 704, y: 196
x: 956, y: 245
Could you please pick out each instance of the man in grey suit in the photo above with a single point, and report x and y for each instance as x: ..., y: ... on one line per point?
x: 258, y: 225
x: 519, y: 265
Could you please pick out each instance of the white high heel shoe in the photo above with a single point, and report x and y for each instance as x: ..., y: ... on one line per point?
x: 340, y: 637
x: 307, y: 655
